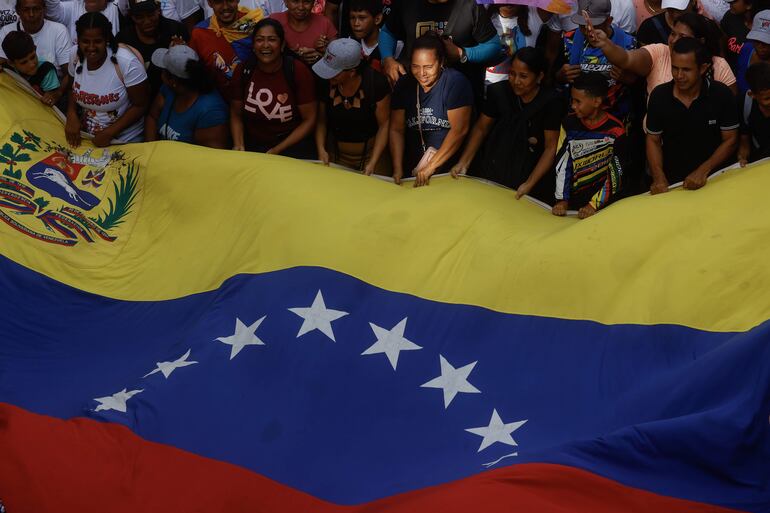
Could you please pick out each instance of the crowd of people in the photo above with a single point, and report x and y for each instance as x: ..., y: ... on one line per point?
x: 577, y: 110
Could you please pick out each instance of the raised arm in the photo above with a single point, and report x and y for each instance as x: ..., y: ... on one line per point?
x: 638, y: 62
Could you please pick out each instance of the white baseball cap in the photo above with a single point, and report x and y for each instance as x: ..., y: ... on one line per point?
x: 174, y: 59
x: 679, y: 5
x: 760, y: 28
x: 341, y: 55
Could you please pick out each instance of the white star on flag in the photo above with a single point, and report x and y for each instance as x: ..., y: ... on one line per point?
x: 453, y: 381
x: 318, y: 317
x: 496, y: 431
x: 243, y: 336
x: 116, y: 401
x: 168, y: 367
x: 391, y: 342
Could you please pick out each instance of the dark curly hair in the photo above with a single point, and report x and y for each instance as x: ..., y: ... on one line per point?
x: 95, y: 20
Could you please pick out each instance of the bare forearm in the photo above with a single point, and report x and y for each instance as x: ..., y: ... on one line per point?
x: 236, y: 126
x: 723, y: 152
x: 655, y: 158
x: 454, y: 139
x: 296, y: 135
x: 479, y: 132
x: 131, y: 116
x: 397, y: 150
x: 150, y: 128
x: 544, y: 164
x: 380, y: 142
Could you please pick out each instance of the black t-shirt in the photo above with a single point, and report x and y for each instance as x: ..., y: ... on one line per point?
x: 502, y: 102
x: 757, y: 126
x: 464, y: 20
x: 690, y: 134
x: 166, y: 30
x: 736, y: 31
x: 517, y: 140
x: 653, y: 30
x: 354, y: 119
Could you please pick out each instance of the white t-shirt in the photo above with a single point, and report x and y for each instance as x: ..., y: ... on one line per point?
x: 68, y: 12
x: 505, y: 27
x: 623, y: 15
x: 268, y: 6
x: 104, y: 97
x: 52, y: 42
x: 7, y: 12
x: 176, y: 10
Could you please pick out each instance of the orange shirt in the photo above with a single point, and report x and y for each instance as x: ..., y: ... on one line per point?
x: 661, y: 67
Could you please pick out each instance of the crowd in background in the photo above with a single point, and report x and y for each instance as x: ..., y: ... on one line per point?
x: 577, y: 110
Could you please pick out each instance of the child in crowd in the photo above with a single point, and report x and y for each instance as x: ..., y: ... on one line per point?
x: 365, y: 22
x: 588, y: 168
x: 755, y: 115
x: 41, y: 75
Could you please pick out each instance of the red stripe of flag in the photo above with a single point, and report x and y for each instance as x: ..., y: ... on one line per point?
x: 80, y: 465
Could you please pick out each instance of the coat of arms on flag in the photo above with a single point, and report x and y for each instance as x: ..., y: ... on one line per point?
x: 58, y: 198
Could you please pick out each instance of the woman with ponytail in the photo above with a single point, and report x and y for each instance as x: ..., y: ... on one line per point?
x: 110, y: 89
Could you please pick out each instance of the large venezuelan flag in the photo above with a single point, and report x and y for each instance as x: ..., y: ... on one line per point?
x: 183, y: 329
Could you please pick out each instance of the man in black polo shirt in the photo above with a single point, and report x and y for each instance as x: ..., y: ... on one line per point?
x: 147, y: 32
x: 692, y: 122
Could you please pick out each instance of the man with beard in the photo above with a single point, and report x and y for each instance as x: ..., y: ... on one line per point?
x: 149, y: 31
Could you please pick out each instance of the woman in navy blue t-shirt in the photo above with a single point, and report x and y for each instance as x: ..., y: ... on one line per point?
x: 429, y: 141
x: 187, y: 108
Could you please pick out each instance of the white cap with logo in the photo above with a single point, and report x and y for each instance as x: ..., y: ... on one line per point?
x: 341, y: 54
x: 760, y: 29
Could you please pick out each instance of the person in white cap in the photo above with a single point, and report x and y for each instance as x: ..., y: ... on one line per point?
x: 657, y: 28
x: 353, y: 119
x: 756, y: 49
x: 187, y: 107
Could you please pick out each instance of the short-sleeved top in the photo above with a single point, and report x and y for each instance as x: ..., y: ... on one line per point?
x: 103, y: 96
x: 513, y: 38
x: 502, y: 102
x: 52, y: 42
x: 451, y: 91
x: 8, y: 12
x: 45, y: 78
x: 742, y: 66
x: 623, y: 15
x: 736, y: 31
x: 167, y: 29
x: 690, y: 134
x: 578, y: 51
x: 208, y: 110
x: 661, y: 67
x: 757, y: 126
x: 465, y: 21
x: 319, y: 25
x: 654, y: 30
x: 354, y: 119
x: 69, y: 11
x: 271, y: 107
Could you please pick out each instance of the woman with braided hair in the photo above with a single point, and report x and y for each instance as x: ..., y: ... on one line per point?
x: 110, y: 91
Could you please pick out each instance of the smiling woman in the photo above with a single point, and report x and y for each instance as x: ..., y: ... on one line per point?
x: 273, y: 105
x: 108, y: 99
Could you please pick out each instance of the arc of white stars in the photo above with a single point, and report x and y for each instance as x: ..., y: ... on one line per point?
x: 318, y: 317
x: 391, y: 342
x: 116, y: 401
x: 243, y: 336
x: 496, y: 431
x: 453, y: 381
x: 168, y: 367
